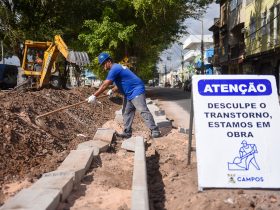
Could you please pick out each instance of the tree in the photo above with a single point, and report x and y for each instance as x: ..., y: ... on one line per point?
x: 41, y: 20
x: 138, y: 28
x: 105, y: 35
x: 148, y: 28
x: 9, y: 33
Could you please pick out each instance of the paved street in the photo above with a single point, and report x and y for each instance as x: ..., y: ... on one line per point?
x: 175, y: 102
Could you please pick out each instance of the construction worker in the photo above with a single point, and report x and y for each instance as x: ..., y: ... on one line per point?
x: 133, y: 89
x: 38, y: 62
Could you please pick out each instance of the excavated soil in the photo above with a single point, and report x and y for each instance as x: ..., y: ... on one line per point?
x: 28, y: 150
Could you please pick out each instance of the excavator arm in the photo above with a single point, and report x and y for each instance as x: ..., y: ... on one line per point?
x: 50, y: 56
x: 51, y: 52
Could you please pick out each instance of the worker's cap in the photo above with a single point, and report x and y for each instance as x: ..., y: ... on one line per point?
x: 244, y: 142
x: 103, y: 57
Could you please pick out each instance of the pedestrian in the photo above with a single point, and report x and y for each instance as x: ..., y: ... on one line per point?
x: 133, y: 89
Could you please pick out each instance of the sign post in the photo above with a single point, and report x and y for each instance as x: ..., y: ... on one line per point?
x: 237, y: 131
x: 190, y: 133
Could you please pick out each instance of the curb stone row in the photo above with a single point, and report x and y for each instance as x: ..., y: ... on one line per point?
x: 54, y: 187
x: 140, y: 196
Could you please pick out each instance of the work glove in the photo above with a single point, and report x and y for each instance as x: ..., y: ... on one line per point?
x: 91, y: 99
x: 110, y: 93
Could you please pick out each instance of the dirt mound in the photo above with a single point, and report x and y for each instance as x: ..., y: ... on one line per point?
x: 28, y: 150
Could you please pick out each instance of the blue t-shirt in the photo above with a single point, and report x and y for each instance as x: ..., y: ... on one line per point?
x: 127, y: 82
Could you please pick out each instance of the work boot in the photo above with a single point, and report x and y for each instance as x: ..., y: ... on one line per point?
x: 155, y: 133
x: 124, y: 134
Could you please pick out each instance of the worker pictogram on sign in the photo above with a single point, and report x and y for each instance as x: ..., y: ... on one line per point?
x: 245, y: 159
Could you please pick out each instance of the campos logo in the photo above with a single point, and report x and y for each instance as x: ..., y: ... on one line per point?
x: 231, y: 178
x: 234, y: 87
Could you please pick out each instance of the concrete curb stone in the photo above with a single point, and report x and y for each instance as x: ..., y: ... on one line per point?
x: 77, y: 160
x: 149, y: 101
x: 118, y: 116
x: 183, y: 130
x: 60, y: 180
x: 129, y: 144
x: 104, y: 134
x: 160, y: 113
x: 55, y: 186
x: 34, y: 199
x: 98, y: 146
x: 140, y: 198
x: 153, y: 108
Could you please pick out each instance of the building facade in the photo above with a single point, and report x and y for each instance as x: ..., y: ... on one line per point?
x: 194, y: 47
x: 262, y: 37
x: 247, y: 37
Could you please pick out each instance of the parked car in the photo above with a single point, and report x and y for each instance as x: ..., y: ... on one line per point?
x: 8, y: 76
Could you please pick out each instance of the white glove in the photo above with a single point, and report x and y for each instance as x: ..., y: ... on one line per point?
x: 91, y: 99
x: 110, y: 93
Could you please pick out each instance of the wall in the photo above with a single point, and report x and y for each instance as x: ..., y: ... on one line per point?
x: 262, y: 26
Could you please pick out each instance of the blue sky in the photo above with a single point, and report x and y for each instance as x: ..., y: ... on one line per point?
x: 194, y: 28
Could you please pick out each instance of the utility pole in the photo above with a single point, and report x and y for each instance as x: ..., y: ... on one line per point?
x: 165, y: 72
x: 202, y: 49
x: 2, y: 51
x: 154, y: 76
x: 182, y: 63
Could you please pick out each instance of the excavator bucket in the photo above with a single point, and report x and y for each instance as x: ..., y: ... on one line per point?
x: 78, y: 58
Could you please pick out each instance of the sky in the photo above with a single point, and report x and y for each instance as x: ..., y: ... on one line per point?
x: 194, y: 28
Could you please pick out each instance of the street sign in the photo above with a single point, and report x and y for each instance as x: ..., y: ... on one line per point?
x: 237, y: 131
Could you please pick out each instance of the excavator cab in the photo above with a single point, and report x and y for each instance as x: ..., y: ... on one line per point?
x: 39, y: 67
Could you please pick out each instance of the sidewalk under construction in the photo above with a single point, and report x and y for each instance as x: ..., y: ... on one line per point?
x: 32, y: 155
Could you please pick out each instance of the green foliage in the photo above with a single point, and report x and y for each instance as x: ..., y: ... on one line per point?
x: 41, y: 20
x: 105, y: 36
x: 138, y: 28
x: 149, y: 26
x: 9, y: 33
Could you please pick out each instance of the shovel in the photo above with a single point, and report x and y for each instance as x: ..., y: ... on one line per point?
x: 41, y: 124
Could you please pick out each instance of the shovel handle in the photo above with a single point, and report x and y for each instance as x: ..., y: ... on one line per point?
x: 65, y: 107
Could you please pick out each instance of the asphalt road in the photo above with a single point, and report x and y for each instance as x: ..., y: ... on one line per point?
x: 175, y: 102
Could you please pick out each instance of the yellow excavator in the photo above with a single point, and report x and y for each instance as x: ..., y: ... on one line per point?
x: 39, y: 68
